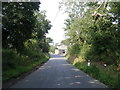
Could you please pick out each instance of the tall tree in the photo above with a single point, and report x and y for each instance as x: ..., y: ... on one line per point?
x: 93, y: 33
x: 18, y: 23
x: 41, y: 28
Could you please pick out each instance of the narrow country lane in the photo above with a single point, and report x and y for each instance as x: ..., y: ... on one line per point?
x: 58, y: 73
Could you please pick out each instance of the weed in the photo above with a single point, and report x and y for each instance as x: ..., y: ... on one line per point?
x: 107, y: 78
x: 15, y: 64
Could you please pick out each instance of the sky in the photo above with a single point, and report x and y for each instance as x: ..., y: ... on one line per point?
x: 51, y: 8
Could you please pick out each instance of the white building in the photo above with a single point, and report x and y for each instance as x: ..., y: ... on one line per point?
x: 60, y: 49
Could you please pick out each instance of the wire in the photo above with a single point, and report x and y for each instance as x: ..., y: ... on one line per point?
x: 55, y: 16
x: 57, y: 13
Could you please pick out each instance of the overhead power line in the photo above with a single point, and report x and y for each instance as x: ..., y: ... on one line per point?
x: 56, y: 16
x: 57, y: 13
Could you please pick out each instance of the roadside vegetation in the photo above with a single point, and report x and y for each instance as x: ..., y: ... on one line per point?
x: 104, y: 75
x: 93, y: 33
x: 52, y: 49
x: 15, y: 64
x: 23, y: 38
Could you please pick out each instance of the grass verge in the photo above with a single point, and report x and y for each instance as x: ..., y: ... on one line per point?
x: 14, y: 65
x: 108, y: 78
x: 13, y: 73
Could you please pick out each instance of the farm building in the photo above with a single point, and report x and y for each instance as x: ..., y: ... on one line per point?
x: 60, y: 49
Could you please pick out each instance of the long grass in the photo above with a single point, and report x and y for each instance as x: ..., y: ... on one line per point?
x: 104, y: 76
x: 15, y: 65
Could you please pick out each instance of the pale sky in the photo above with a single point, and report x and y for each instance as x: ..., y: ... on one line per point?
x: 51, y: 8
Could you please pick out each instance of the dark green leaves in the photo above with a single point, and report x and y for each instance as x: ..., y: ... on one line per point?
x: 18, y: 22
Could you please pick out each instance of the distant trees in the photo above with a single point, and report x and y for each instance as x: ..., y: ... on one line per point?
x: 97, y: 40
x: 49, y: 40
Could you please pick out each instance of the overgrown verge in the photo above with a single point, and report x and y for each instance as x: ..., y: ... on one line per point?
x: 105, y: 75
x: 100, y: 74
x: 24, y: 41
x: 15, y: 64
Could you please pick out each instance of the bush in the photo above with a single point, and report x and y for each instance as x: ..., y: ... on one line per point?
x: 32, y: 53
x: 104, y: 48
x: 52, y: 49
x: 10, y: 59
x: 15, y: 64
x: 86, y: 52
x: 74, y: 49
x: 94, y: 70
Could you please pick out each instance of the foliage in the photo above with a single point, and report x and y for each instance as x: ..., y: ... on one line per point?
x: 24, y: 40
x: 41, y: 28
x: 22, y: 21
x: 17, y: 23
x: 92, y: 32
x: 95, y: 38
x: 52, y: 49
x: 14, y: 65
x: 65, y: 42
x: 10, y: 59
x: 49, y: 40
x: 74, y: 49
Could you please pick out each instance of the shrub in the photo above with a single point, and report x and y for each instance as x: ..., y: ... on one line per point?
x: 52, y: 49
x: 15, y: 64
x: 74, y: 49
x: 10, y: 59
x: 86, y: 52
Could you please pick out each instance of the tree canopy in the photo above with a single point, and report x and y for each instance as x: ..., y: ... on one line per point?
x: 21, y: 22
x: 93, y: 30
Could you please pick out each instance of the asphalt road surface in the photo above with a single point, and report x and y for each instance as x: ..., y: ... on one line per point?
x: 58, y: 73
